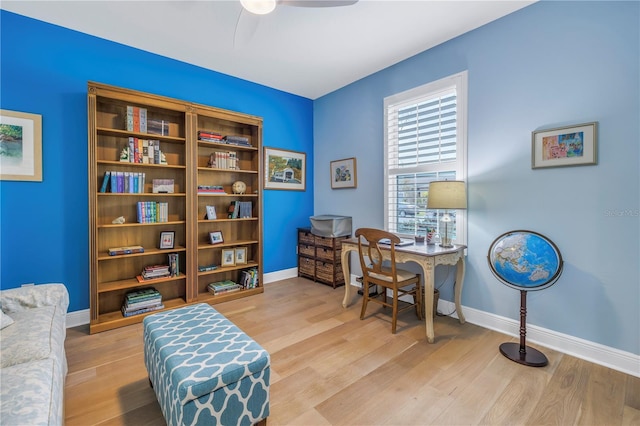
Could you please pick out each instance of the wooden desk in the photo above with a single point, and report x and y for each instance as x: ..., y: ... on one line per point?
x: 428, y: 257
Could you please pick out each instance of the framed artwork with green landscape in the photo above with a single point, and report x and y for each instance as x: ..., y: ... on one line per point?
x: 20, y: 146
x: 284, y: 169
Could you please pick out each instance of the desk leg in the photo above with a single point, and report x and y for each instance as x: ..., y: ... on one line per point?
x: 460, y: 269
x: 344, y: 258
x: 427, y: 273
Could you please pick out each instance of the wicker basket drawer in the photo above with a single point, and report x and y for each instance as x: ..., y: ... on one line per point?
x: 306, y: 266
x: 306, y: 250
x: 327, y: 268
x: 306, y: 237
x: 327, y: 254
x: 330, y: 242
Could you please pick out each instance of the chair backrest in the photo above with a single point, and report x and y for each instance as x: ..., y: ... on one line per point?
x: 371, y: 258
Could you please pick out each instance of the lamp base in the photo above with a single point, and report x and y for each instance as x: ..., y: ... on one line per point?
x: 446, y: 245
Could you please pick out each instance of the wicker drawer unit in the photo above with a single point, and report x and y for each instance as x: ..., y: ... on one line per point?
x: 319, y: 258
x: 329, y: 273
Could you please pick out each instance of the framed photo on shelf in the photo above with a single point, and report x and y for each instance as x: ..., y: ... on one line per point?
x: 228, y: 257
x: 215, y: 237
x: 211, y: 212
x: 241, y: 255
x: 167, y: 239
x: 565, y: 146
x: 21, y: 146
x: 284, y: 169
x: 343, y: 173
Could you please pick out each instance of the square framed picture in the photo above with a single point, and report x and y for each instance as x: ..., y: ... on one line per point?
x: 343, y: 174
x: 565, y: 146
x: 167, y: 239
x: 211, y: 213
x: 241, y: 255
x: 21, y: 146
x: 228, y: 257
x: 284, y: 169
x: 215, y: 237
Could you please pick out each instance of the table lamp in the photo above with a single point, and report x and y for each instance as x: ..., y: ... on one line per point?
x: 447, y: 194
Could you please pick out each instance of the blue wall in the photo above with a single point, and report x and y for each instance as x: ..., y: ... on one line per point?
x: 44, y: 70
x: 547, y: 65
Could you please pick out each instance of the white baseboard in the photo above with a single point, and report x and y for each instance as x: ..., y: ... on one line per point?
x: 615, y: 359
x: 77, y: 318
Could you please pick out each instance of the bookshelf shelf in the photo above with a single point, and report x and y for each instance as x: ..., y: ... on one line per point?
x: 115, y: 132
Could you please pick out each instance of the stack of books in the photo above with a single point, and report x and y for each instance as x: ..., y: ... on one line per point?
x: 154, y: 272
x: 211, y: 189
x: 221, y: 287
x: 116, y: 251
x: 237, y: 140
x: 141, y: 301
x: 207, y: 136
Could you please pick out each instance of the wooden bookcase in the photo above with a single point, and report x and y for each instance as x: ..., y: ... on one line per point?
x: 187, y: 158
x: 319, y: 258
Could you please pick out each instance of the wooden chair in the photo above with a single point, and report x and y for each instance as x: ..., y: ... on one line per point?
x: 399, y: 281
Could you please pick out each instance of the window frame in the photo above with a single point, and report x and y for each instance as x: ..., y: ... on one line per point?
x: 459, y: 81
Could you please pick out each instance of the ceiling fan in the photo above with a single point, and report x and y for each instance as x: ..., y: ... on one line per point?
x: 248, y: 18
x: 262, y: 7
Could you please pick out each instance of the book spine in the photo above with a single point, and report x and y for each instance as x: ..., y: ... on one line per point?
x: 105, y: 181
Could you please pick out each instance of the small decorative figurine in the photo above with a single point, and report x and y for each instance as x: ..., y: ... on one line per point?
x: 239, y: 187
x: 118, y: 221
x: 124, y: 154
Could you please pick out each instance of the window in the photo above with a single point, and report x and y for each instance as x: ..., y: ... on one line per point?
x: 425, y: 141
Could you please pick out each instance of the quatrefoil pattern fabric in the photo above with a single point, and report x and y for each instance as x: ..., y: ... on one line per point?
x: 204, y: 369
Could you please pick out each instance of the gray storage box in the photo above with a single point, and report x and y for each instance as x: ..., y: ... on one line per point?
x: 329, y: 225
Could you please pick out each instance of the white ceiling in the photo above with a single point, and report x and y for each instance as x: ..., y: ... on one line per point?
x: 305, y: 51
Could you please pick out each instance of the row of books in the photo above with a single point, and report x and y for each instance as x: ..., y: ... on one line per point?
x: 136, y: 119
x: 143, y: 151
x: 123, y: 182
x: 117, y: 251
x: 211, y: 189
x: 240, y: 209
x: 249, y: 278
x: 153, y: 211
x: 141, y: 301
x: 224, y: 160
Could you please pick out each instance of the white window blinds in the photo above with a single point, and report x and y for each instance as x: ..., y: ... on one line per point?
x: 425, y: 140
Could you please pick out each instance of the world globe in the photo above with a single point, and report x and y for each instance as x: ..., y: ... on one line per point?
x: 525, y: 260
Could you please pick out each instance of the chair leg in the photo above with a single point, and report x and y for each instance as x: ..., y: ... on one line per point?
x: 394, y: 315
x: 420, y: 300
x: 365, y: 297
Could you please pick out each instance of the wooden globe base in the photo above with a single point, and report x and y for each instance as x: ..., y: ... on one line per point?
x: 523, y: 355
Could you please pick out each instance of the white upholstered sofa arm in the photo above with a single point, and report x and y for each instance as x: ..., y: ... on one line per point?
x: 20, y: 299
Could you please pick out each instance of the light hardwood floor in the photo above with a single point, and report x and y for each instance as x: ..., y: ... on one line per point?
x: 329, y: 368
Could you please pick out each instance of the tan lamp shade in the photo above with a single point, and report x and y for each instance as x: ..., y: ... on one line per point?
x: 447, y: 194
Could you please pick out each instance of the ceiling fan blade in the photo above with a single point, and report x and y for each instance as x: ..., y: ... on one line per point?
x: 246, y: 27
x: 318, y: 3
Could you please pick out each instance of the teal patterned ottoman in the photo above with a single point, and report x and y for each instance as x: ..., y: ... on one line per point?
x: 204, y: 369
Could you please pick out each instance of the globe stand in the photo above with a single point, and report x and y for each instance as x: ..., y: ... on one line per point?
x: 521, y: 353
